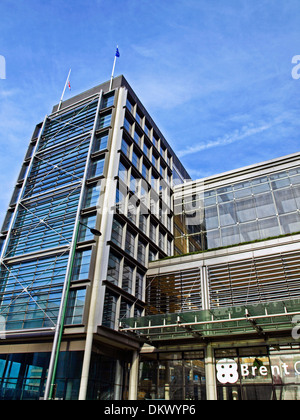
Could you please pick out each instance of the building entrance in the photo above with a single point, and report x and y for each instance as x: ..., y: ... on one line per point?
x: 172, y: 376
x: 258, y: 373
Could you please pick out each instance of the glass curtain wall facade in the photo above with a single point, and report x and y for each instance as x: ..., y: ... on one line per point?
x: 40, y: 223
x: 256, y: 209
x: 99, y: 161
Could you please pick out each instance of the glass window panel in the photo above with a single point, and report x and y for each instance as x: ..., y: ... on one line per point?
x: 101, y: 142
x: 295, y: 179
x: 296, y: 192
x: 85, y: 233
x: 223, y: 198
x: 130, y: 243
x: 245, y: 210
x: 109, y: 310
x: 290, y: 223
x: 104, y: 120
x: 230, y: 235
x: 123, y: 172
x: 212, y: 239
x: 246, y: 192
x: 75, y: 306
x: 125, y: 148
x: 227, y: 214
x: 107, y: 100
x: 249, y: 231
x: 127, y: 278
x: 279, y: 175
x: 113, y: 271
x: 97, y: 167
x: 285, y: 201
x: 82, y: 265
x: 264, y: 205
x: 281, y: 183
x: 269, y: 227
x: 92, y: 195
x: 117, y: 232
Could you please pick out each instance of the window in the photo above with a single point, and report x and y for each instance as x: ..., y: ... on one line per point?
x: 82, y: 265
x: 125, y: 148
x: 125, y: 309
x: 117, y: 232
x: 143, y: 222
x: 92, y: 195
x: 139, y: 118
x: 152, y: 255
x: 113, y: 271
x: 141, y: 255
x: 145, y: 171
x: 85, y: 234
x: 137, y: 138
x: 75, y: 306
x: 139, y: 282
x: 107, y: 100
x: 104, y: 120
x: 97, y: 167
x: 101, y: 142
x: 147, y: 129
x: 162, y: 240
x: 136, y: 160
x: 133, y: 184
x: 129, y: 105
x: 109, y: 309
x: 129, y: 243
x: 155, y: 161
x: 153, y: 229
x: 127, y: 125
x: 155, y: 183
x: 123, y: 175
x: 146, y: 150
x: 127, y: 279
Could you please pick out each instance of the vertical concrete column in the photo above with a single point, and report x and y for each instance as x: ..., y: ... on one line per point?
x: 210, y: 374
x: 134, y: 376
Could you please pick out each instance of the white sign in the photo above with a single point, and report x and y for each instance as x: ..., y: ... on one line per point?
x: 227, y: 370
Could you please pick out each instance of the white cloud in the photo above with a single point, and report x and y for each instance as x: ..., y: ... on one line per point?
x: 237, y: 135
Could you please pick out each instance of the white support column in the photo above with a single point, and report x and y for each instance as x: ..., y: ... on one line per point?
x: 210, y: 374
x: 102, y: 248
x: 134, y: 376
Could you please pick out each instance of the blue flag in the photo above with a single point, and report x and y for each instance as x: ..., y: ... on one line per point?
x: 117, y: 53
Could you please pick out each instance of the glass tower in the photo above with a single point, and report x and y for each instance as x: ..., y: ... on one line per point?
x: 97, y: 161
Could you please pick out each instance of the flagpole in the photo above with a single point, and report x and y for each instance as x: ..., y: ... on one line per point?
x: 113, y: 71
x: 62, y: 96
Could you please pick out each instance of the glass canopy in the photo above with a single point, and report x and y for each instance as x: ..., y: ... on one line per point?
x: 259, y: 319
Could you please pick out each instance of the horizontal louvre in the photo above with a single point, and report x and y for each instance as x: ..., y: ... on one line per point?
x: 174, y: 292
x: 252, y: 281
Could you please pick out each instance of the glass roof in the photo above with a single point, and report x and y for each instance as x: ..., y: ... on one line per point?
x: 260, y: 318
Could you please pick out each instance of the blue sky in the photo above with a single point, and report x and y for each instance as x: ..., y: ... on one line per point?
x: 214, y: 74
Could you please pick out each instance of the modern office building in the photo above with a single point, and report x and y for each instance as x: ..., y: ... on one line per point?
x: 192, y: 289
x: 99, y: 162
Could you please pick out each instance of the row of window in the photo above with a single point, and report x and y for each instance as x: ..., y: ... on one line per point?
x: 31, y: 292
x: 136, y: 246
x: 117, y: 308
x: 242, y: 232
x: 142, y: 127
